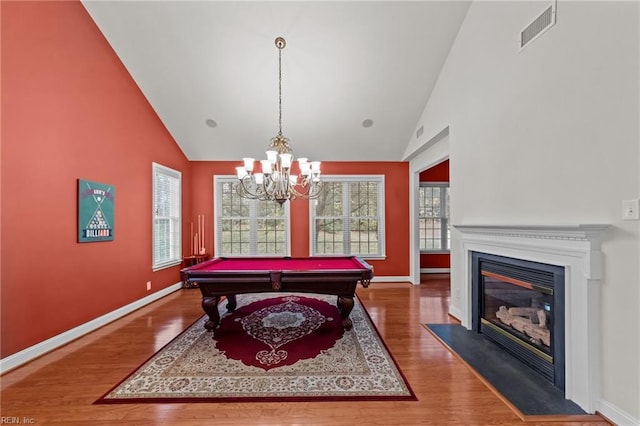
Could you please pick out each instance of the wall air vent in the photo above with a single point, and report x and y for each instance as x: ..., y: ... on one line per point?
x: 419, y: 132
x: 538, y: 26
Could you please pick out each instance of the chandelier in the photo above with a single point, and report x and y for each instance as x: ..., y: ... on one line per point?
x: 277, y: 180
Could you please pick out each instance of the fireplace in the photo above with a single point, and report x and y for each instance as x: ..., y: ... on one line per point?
x: 519, y: 305
x: 574, y: 248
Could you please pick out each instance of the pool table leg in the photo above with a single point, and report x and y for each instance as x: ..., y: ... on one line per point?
x: 345, y: 305
x: 210, y: 307
x: 231, y: 302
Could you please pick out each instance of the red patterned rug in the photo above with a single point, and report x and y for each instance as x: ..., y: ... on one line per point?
x: 290, y: 347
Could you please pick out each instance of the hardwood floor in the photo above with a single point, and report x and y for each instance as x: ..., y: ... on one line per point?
x: 60, y: 387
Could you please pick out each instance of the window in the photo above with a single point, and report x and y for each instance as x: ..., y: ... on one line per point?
x: 248, y: 227
x: 348, y: 217
x: 167, y: 220
x: 433, y: 199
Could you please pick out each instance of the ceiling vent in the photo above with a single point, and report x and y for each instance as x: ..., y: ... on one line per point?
x: 419, y: 132
x: 538, y: 26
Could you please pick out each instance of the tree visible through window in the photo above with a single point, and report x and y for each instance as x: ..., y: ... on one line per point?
x: 249, y: 227
x: 167, y: 217
x: 433, y: 204
x: 348, y: 217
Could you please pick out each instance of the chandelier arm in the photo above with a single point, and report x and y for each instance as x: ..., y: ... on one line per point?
x: 243, y: 191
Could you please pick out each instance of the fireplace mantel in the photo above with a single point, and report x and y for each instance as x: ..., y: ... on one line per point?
x: 591, y: 233
x: 577, y: 249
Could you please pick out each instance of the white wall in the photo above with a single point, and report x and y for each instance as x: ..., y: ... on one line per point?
x: 550, y: 135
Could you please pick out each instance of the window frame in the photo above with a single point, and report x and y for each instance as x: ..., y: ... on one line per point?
x: 381, y: 208
x: 217, y: 207
x: 176, y: 221
x: 445, y: 240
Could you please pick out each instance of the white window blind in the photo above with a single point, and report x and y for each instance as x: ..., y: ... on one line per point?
x: 248, y: 227
x: 167, y: 221
x: 348, y: 217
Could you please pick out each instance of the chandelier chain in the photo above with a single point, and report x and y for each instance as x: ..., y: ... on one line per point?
x: 279, y: 91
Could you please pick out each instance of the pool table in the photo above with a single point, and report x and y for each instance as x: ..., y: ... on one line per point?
x: 238, y: 275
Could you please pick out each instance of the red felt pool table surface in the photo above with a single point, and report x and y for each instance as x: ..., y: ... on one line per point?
x: 280, y: 264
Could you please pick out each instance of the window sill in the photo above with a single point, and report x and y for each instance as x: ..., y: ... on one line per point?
x: 169, y: 264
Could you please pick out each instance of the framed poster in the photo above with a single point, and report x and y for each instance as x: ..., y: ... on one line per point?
x: 95, y: 211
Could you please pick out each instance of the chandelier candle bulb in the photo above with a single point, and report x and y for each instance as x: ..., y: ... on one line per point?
x: 285, y: 160
x: 272, y: 156
x: 241, y: 171
x: 248, y: 164
x: 266, y: 167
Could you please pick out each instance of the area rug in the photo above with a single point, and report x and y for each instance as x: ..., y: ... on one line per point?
x: 289, y: 347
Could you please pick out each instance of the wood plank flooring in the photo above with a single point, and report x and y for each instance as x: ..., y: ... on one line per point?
x: 60, y: 387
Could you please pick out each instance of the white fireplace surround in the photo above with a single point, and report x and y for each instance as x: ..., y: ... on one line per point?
x: 577, y: 249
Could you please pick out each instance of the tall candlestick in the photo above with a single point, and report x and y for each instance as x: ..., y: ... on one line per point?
x: 194, y: 244
x: 202, y: 249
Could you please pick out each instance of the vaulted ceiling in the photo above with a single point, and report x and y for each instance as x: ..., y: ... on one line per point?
x: 210, y: 71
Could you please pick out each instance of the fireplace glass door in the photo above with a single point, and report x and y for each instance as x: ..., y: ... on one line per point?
x: 519, y: 305
x: 520, y: 310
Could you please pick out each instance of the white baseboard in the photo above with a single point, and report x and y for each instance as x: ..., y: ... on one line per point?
x: 616, y: 415
x: 456, y: 313
x: 32, y: 352
x: 435, y: 270
x: 390, y: 279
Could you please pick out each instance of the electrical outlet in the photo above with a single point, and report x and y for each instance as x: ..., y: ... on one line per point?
x: 631, y: 209
x: 148, y: 285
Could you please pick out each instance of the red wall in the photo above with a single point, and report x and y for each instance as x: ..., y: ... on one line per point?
x: 437, y: 173
x: 396, y: 214
x: 70, y: 110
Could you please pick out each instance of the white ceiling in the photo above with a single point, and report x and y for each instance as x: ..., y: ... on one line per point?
x: 344, y: 62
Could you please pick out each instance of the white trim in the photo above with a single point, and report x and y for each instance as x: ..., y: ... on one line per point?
x: 156, y: 169
x: 435, y: 270
x: 455, y: 313
x: 39, y: 349
x: 577, y: 249
x: 390, y: 279
x: 616, y: 415
x: 429, y: 154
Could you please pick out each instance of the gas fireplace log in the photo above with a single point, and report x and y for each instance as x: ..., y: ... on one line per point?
x: 504, y: 315
x: 538, y: 333
x: 519, y: 323
x: 524, y: 324
x: 542, y: 318
x: 531, y: 313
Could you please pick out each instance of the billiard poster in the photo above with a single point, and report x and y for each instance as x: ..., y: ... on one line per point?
x: 95, y: 211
